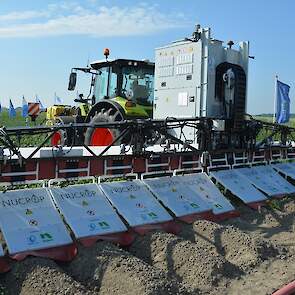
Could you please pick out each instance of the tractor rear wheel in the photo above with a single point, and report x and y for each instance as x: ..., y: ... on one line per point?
x: 58, y: 138
x: 103, y: 136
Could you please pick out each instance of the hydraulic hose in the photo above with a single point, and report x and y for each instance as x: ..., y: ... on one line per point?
x: 286, y: 290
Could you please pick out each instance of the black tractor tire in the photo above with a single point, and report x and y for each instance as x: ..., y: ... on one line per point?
x: 107, y: 116
x: 66, y: 137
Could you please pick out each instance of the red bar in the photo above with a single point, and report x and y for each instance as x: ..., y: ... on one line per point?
x: 63, y: 253
x: 96, y: 167
x: 47, y: 168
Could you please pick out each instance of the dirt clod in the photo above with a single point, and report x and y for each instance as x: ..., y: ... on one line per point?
x: 239, y: 248
x: 37, y: 276
x: 115, y: 271
x: 196, y: 267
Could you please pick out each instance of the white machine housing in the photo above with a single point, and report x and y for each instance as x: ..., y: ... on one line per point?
x: 185, y: 79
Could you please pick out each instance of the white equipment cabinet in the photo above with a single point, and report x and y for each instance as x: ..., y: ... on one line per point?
x: 190, y: 75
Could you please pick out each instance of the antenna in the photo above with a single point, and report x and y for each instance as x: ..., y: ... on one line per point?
x: 88, y: 61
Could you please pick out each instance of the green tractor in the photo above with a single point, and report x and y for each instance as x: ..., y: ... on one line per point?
x: 120, y: 89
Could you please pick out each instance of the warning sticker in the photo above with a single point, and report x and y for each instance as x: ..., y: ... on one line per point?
x: 238, y: 185
x: 202, y: 184
x: 176, y: 196
x: 86, y: 210
x: 29, y: 221
x: 135, y: 202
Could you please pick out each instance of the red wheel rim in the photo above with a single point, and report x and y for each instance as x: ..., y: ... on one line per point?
x: 101, y: 137
x: 56, y: 139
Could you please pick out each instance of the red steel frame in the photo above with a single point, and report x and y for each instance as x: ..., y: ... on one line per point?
x: 71, y: 167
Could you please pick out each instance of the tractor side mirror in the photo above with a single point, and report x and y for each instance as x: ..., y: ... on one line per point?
x: 72, y: 81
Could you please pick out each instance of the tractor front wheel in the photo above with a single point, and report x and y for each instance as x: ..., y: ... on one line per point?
x: 63, y: 138
x: 103, y: 136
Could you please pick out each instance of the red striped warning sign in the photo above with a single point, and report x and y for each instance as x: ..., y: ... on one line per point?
x: 33, y: 109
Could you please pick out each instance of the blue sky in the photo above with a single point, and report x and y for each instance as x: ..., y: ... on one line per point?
x: 42, y: 40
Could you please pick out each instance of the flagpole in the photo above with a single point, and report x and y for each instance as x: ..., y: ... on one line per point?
x: 275, y: 99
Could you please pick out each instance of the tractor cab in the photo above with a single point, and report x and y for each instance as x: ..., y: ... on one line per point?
x: 120, y: 89
x: 129, y: 84
x: 128, y: 79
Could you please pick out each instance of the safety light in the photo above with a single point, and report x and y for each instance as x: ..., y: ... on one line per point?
x: 106, y: 52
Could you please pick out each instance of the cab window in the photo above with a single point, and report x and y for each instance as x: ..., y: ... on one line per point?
x: 101, y: 84
x: 139, y: 83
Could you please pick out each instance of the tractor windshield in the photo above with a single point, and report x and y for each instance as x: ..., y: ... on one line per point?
x: 134, y: 83
x: 138, y: 84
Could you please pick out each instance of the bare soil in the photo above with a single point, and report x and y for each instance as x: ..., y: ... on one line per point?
x: 251, y: 254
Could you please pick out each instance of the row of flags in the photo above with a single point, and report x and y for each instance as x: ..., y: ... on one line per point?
x: 25, y: 107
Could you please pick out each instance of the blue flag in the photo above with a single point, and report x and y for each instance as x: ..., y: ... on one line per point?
x: 0, y: 108
x: 57, y: 99
x: 283, y: 103
x: 24, y: 108
x: 12, y: 112
x: 42, y: 108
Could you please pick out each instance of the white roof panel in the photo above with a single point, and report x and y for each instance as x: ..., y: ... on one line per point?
x: 239, y: 185
x: 87, y: 210
x: 176, y: 196
x: 202, y: 184
x: 135, y: 202
x: 30, y: 221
